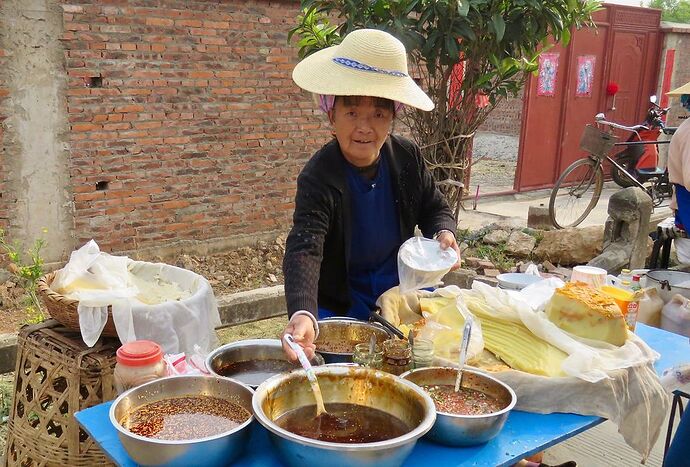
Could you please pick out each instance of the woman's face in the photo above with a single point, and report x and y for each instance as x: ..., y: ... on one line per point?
x: 361, y: 126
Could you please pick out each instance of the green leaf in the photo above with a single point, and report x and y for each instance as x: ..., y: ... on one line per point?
x: 499, y: 26
x: 463, y: 7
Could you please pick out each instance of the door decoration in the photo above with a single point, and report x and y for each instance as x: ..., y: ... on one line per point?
x: 585, y: 75
x: 548, y: 69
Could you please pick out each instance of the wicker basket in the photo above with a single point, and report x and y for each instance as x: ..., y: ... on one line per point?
x: 56, y: 376
x: 597, y: 142
x: 64, y: 310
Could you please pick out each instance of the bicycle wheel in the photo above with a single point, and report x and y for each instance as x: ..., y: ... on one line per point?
x: 575, y: 193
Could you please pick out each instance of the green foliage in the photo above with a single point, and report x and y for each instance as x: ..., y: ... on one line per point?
x: 26, y: 269
x: 677, y: 11
x: 497, y: 42
x: 496, y: 254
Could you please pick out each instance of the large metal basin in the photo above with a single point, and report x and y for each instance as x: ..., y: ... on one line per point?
x: 344, y: 384
x: 466, y: 430
x: 218, y: 450
x: 669, y: 283
x: 346, y: 333
x: 251, y: 350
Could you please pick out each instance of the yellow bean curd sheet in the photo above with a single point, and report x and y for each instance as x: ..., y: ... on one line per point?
x: 549, y: 369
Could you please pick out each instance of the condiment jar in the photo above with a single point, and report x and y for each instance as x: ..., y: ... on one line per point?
x: 422, y: 352
x: 138, y: 362
x: 363, y: 357
x: 397, y: 356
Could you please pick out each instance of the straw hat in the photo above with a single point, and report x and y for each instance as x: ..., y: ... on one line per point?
x: 368, y: 62
x: 684, y: 89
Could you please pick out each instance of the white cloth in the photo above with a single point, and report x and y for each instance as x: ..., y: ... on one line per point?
x: 98, y: 280
x: 679, y: 158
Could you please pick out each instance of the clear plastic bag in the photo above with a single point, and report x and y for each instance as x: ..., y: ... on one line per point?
x: 422, y: 263
x: 675, y: 316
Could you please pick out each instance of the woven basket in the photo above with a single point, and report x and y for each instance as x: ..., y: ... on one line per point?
x: 56, y: 376
x: 64, y: 310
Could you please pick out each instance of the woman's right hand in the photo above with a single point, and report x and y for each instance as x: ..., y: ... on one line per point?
x: 302, y: 329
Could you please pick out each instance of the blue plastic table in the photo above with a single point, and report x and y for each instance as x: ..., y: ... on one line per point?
x: 524, y: 433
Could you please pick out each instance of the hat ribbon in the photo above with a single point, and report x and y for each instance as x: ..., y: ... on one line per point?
x: 354, y: 64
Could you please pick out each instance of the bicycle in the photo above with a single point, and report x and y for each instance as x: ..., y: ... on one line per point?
x: 579, y: 187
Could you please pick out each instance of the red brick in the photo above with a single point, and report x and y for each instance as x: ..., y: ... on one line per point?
x: 159, y: 22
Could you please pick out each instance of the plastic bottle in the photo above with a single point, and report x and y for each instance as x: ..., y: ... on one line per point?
x: 625, y: 275
x: 635, y: 283
x: 138, y: 362
x: 650, y: 307
x: 625, y: 285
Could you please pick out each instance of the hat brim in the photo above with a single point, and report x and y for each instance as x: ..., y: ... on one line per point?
x: 684, y: 89
x: 319, y: 74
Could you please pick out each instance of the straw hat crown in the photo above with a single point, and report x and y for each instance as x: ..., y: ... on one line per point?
x: 368, y: 62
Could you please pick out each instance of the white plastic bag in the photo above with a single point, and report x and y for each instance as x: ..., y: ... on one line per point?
x: 683, y: 250
x: 422, y: 263
x: 675, y: 316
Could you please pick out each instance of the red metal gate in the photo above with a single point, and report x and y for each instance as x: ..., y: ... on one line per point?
x: 624, y: 48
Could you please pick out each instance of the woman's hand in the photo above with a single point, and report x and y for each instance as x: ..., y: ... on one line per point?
x: 302, y: 329
x: 447, y: 239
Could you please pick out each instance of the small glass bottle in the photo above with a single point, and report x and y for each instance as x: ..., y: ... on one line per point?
x: 422, y: 352
x: 138, y: 362
x: 363, y: 357
x: 397, y: 356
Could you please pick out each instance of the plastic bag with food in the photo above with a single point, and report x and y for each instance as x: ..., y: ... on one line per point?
x: 422, y: 263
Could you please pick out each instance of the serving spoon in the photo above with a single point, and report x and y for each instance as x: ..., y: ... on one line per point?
x: 463, y: 352
x: 311, y: 376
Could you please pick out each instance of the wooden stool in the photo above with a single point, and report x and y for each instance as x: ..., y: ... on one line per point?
x: 56, y: 376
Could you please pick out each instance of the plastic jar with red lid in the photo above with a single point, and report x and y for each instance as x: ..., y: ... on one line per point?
x: 138, y: 362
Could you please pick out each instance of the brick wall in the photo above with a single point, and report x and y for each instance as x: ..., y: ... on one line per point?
x: 506, y: 118
x: 185, y: 123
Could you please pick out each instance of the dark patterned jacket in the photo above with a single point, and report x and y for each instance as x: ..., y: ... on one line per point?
x: 318, y: 246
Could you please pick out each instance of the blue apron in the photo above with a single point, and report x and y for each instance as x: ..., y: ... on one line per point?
x: 374, y: 241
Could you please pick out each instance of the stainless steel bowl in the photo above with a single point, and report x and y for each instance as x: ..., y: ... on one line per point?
x: 346, y: 332
x: 215, y: 450
x: 251, y: 350
x: 466, y: 430
x: 344, y: 384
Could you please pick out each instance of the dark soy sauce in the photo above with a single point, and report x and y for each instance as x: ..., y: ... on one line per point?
x: 344, y: 423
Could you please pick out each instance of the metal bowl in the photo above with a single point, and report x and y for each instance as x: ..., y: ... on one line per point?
x: 346, y: 332
x: 215, y: 450
x: 466, y: 430
x: 251, y: 350
x: 344, y: 384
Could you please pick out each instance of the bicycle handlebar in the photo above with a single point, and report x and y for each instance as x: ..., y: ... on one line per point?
x: 634, y: 128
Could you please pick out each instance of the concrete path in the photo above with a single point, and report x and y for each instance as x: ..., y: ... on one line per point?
x: 514, y: 208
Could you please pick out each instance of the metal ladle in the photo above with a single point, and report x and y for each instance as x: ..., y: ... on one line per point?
x: 304, y: 361
x: 467, y: 331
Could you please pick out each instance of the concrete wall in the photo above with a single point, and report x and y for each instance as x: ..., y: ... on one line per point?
x: 34, y: 181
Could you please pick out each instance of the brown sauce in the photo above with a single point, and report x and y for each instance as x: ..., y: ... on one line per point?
x: 464, y: 402
x: 184, y: 418
x: 344, y: 423
x: 336, y: 347
x: 255, y: 372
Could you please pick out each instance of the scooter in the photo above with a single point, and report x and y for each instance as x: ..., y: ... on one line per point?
x: 641, y: 154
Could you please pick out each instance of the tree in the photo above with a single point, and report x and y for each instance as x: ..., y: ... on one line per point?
x: 677, y: 11
x: 469, y: 55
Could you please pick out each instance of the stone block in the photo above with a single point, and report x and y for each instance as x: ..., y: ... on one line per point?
x: 520, y: 243
x: 488, y: 280
x: 463, y: 278
x: 538, y: 217
x: 495, y: 237
x: 491, y: 272
x: 471, y: 261
x: 485, y: 264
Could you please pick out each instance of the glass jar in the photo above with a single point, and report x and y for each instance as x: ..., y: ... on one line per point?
x: 365, y: 358
x: 138, y: 362
x: 422, y: 352
x: 397, y: 356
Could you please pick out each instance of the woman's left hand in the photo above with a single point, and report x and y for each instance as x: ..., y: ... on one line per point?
x: 447, y: 239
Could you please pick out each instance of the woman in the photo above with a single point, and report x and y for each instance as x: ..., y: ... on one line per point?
x: 362, y: 194
x: 679, y: 174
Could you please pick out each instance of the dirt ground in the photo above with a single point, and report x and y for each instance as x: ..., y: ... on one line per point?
x: 233, y: 271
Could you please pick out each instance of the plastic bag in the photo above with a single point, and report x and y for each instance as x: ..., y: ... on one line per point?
x: 683, y: 250
x: 675, y: 316
x: 445, y: 327
x: 587, y: 359
x: 422, y: 263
